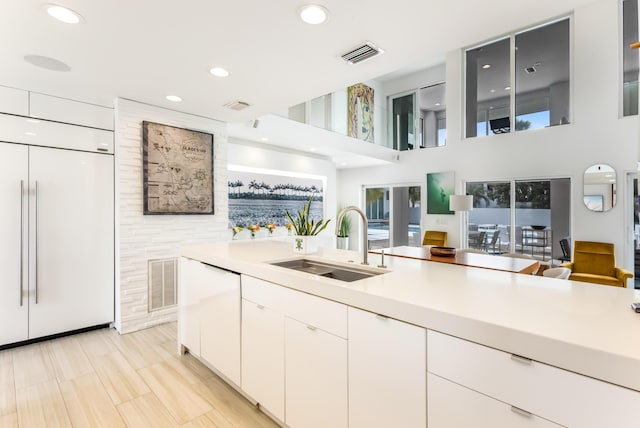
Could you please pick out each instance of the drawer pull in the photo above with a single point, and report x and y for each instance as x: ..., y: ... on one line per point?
x: 519, y: 359
x: 311, y: 327
x: 259, y: 306
x: 520, y: 412
x: 382, y: 317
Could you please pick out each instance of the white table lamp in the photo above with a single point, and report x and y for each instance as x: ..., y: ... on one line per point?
x: 462, y: 204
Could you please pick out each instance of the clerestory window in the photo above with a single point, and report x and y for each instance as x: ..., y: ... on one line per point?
x: 519, y: 82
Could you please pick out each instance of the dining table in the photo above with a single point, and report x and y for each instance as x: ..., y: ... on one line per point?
x: 469, y: 259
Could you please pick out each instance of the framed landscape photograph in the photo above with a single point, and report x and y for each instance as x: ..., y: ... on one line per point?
x: 177, y: 170
x: 258, y: 196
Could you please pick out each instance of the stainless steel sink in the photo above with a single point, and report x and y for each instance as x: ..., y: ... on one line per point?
x: 328, y: 270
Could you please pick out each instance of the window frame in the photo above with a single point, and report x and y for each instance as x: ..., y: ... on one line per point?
x: 512, y: 67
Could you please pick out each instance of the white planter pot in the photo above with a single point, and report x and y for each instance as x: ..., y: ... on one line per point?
x: 305, y: 244
x: 342, y: 243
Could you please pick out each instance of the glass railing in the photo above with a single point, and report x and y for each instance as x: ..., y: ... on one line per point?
x: 331, y: 112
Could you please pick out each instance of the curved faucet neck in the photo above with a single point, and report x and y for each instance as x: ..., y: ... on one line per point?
x: 364, y: 232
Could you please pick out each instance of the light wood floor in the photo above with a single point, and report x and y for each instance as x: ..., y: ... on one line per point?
x: 102, y: 379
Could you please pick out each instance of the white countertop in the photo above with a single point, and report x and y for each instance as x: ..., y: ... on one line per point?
x: 586, y: 328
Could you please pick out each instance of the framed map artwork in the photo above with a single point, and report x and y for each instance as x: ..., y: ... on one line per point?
x: 177, y: 170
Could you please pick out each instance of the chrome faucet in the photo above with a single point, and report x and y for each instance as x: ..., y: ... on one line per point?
x: 365, y: 227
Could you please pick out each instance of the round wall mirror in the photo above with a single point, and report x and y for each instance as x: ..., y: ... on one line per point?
x: 599, y: 187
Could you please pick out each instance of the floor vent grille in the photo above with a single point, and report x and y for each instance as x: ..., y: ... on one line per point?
x: 163, y: 281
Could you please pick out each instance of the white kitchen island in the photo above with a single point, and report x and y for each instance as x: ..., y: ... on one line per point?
x: 494, y: 348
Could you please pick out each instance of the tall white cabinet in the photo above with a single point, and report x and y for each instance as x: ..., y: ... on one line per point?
x: 57, y: 250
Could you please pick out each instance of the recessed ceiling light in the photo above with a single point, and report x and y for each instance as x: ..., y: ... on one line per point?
x: 313, y: 14
x: 219, y: 72
x: 507, y: 88
x: 312, y: 149
x: 492, y: 91
x: 437, y: 104
x: 486, y: 66
x: 30, y: 120
x: 174, y: 98
x: 63, y: 14
x: 47, y: 62
x: 264, y: 139
x: 31, y: 134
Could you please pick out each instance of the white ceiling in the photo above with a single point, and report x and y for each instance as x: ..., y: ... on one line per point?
x: 144, y: 50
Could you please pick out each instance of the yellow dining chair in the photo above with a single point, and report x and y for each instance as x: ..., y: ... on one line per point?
x: 435, y: 237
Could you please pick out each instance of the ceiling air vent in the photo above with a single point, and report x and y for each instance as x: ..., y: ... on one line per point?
x: 362, y: 53
x: 237, y: 105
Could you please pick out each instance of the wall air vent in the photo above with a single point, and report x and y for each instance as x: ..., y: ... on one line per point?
x: 362, y: 53
x: 237, y: 105
x: 163, y: 281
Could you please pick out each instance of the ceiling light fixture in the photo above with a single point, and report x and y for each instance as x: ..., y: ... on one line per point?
x: 507, y: 88
x: 174, y: 98
x: 312, y: 149
x: 486, y: 66
x: 313, y: 14
x: 219, y: 72
x: 63, y: 14
x: 264, y: 139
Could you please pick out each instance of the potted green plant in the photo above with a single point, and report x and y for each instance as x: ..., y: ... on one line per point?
x: 306, y: 229
x: 344, y: 230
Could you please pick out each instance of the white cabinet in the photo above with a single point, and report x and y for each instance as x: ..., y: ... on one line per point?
x: 14, y: 101
x: 548, y: 392
x: 263, y: 356
x: 454, y: 406
x: 58, y: 257
x: 220, y: 323
x: 209, y: 316
x: 294, y: 354
x: 316, y: 377
x: 387, y: 372
x: 192, y: 289
x: 14, y: 304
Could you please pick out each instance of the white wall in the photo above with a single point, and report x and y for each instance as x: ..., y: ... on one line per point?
x: 139, y: 237
x: 596, y: 135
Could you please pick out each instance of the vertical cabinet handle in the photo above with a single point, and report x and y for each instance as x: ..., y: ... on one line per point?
x: 36, y: 249
x: 21, y: 238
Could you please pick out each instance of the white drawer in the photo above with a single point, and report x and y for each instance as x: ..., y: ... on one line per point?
x: 311, y: 310
x: 454, y: 406
x: 265, y: 293
x: 559, y: 395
